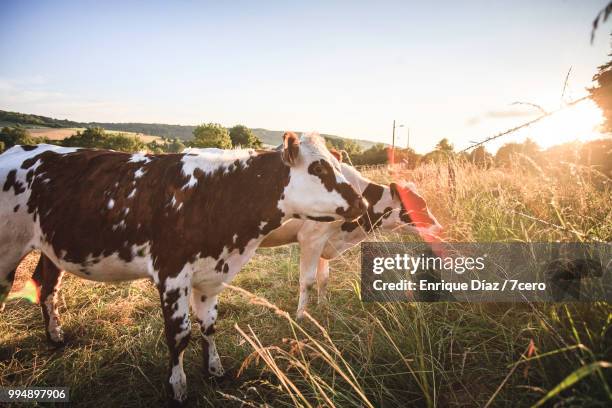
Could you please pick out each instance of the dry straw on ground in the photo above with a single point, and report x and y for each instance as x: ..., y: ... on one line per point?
x: 347, y: 353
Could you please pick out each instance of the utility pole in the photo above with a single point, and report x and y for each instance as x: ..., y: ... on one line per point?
x: 408, y: 140
x: 393, y: 145
x: 392, y: 158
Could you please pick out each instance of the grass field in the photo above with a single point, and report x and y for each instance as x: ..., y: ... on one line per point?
x: 63, y: 133
x: 351, y: 354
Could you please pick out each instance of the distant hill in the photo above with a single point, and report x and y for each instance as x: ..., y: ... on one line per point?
x: 270, y: 137
x: 274, y: 137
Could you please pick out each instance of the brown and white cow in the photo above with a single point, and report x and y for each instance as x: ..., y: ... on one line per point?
x: 322, y: 242
x: 187, y: 221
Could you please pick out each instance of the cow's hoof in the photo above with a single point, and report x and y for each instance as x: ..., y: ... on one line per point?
x: 216, y: 378
x: 56, y: 343
x: 172, y: 403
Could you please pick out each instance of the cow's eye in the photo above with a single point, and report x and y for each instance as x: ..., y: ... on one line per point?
x: 319, y: 170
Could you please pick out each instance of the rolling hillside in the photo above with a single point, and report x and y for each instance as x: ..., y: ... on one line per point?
x: 184, y: 132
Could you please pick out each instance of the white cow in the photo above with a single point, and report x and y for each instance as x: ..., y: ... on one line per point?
x: 321, y: 242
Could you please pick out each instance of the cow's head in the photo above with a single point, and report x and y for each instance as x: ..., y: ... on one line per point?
x: 317, y: 190
x: 409, y: 210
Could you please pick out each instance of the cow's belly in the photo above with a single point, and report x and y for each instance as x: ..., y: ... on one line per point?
x: 209, y: 277
x: 106, y: 269
x: 109, y: 269
x: 341, y: 242
x: 283, y: 235
x: 336, y: 246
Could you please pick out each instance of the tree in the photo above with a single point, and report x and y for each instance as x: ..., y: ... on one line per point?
x: 530, y: 148
x: 509, y: 152
x: 211, y: 135
x: 435, y: 156
x: 243, y: 136
x: 602, y: 16
x: 445, y: 146
x: 155, y: 147
x: 174, y: 146
x: 443, y: 151
x: 91, y: 137
x: 602, y: 93
x: 96, y: 137
x: 481, y: 158
x: 124, y: 143
x: 377, y: 154
x: 408, y: 157
x: 16, y: 135
x: 598, y: 153
x: 351, y: 147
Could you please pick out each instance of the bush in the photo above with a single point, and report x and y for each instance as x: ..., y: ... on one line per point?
x: 211, y: 135
x: 508, y: 153
x: 174, y: 146
x: 376, y: 154
x: 16, y: 135
x: 96, y: 137
x: 351, y: 147
x: 242, y: 136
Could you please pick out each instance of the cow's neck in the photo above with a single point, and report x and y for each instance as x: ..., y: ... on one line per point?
x: 374, y: 193
x: 355, y: 178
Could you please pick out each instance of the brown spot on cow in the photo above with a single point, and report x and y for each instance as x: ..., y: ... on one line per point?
x: 12, y: 182
x: 371, y: 219
x: 324, y: 171
x: 321, y: 219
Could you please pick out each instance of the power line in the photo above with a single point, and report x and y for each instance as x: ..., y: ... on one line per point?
x: 526, y: 124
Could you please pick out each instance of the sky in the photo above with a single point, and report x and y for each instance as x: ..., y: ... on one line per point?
x: 442, y: 69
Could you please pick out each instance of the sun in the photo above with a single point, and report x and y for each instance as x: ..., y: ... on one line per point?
x: 581, y: 122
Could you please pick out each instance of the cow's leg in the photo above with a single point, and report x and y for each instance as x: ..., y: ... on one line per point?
x: 49, y: 278
x: 322, y: 279
x: 205, y: 308
x: 8, y: 266
x: 310, y: 252
x: 175, y: 306
x: 6, y: 283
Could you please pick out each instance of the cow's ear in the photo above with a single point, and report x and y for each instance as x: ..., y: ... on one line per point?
x: 291, y: 148
x: 336, y: 154
x: 394, y: 191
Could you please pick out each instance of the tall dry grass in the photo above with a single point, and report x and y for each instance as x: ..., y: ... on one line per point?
x: 458, y: 354
x: 347, y: 353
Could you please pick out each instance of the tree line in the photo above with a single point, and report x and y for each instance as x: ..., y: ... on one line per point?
x: 597, y: 153
x: 205, y: 135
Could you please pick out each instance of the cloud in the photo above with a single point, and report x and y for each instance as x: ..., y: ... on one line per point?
x: 501, y: 114
x: 32, y: 95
